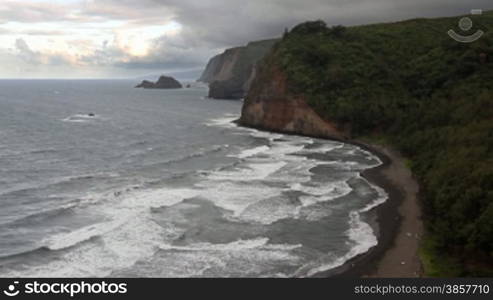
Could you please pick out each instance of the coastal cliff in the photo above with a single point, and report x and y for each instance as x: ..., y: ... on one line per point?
x: 269, y: 105
x: 230, y: 74
x: 413, y: 87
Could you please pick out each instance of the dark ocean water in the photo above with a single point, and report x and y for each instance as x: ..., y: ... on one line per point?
x: 160, y: 183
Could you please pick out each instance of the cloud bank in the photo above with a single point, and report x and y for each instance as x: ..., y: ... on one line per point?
x: 125, y: 38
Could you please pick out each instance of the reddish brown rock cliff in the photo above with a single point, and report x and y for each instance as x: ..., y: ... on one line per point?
x: 269, y: 105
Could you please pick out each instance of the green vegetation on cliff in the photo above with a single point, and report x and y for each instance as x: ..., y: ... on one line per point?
x: 431, y: 97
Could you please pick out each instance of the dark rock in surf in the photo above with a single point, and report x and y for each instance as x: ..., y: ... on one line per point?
x: 164, y: 82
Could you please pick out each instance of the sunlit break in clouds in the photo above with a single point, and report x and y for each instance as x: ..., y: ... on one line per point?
x: 131, y: 38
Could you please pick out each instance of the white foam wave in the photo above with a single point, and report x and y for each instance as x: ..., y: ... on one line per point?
x: 253, y: 257
x: 154, y: 198
x: 298, y: 139
x: 252, y: 152
x: 324, y: 148
x: 236, y: 197
x: 242, y: 257
x: 271, y: 210
x: 283, y: 150
x: 318, y: 193
x: 66, y: 240
x: 252, y: 171
x: 362, y: 239
x: 313, y: 213
x: 80, y: 118
x: 265, y: 134
x: 129, y: 235
x: 233, y: 246
x: 361, y: 236
x: 297, y: 170
x: 311, y: 200
x: 239, y: 245
x: 226, y: 122
x: 382, y: 197
x: 335, y: 188
x: 131, y: 238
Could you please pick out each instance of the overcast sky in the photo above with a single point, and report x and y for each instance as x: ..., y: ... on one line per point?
x: 131, y: 38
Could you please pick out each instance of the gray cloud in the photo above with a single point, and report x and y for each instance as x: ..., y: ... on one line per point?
x: 33, y: 12
x: 26, y: 53
x: 172, y: 52
x: 33, y: 32
x: 235, y: 22
x: 29, y: 56
x: 210, y: 26
x: 217, y: 25
x: 145, y: 11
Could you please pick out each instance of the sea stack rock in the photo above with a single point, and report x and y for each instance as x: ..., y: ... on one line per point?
x: 164, y: 82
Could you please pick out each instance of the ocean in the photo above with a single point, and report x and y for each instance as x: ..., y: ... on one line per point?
x: 98, y: 179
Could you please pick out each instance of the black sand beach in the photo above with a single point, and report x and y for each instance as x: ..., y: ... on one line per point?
x: 396, y: 222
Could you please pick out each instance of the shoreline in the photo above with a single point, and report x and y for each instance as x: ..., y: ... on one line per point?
x: 396, y: 222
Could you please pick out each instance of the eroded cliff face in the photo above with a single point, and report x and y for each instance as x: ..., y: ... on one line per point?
x: 269, y: 105
x: 230, y: 74
x: 211, y: 69
x: 220, y: 67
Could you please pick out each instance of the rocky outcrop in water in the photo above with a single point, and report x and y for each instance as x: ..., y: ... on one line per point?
x: 164, y: 82
x: 230, y: 74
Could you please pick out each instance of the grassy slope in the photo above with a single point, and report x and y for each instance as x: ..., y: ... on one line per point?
x: 429, y: 96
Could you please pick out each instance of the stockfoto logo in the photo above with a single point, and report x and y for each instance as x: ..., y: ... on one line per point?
x: 465, y: 24
x: 70, y: 288
x: 12, y: 291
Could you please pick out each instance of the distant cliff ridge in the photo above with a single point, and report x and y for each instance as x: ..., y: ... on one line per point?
x: 164, y: 82
x: 212, y: 68
x: 230, y: 74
